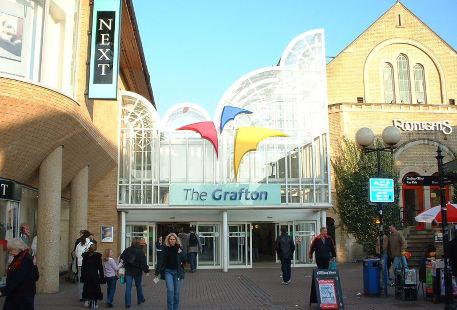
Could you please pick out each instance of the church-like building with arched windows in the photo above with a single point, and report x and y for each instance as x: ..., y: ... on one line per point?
x: 398, y: 72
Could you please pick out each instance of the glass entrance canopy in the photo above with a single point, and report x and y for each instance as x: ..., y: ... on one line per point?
x: 290, y: 97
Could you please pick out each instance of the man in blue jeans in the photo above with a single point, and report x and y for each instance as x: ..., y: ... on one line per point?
x: 285, y: 248
x: 194, y: 247
x: 134, y: 261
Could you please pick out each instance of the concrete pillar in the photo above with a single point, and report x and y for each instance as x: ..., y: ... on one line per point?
x: 323, y: 219
x: 225, y: 260
x: 48, y: 224
x: 123, y: 214
x: 78, y: 205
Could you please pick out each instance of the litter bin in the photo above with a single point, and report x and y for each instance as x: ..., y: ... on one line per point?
x: 371, y: 273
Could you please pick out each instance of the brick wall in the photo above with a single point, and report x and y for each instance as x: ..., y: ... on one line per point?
x: 357, y: 70
x: 103, y: 210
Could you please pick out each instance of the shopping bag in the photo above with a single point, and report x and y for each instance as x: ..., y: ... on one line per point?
x: 332, y: 265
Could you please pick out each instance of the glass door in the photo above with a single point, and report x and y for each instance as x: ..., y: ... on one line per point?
x: 147, y: 234
x: 210, y: 239
x: 240, y: 245
x: 289, y: 228
x: 304, y: 233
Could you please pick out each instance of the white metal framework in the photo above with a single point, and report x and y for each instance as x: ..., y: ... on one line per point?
x: 290, y: 97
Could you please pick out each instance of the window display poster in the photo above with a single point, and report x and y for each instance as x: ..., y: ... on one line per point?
x: 327, y: 293
x: 107, y: 233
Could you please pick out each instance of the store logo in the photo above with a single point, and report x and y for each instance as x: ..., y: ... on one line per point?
x: 246, y: 139
x: 104, y: 49
x: 444, y: 126
x: 231, y: 194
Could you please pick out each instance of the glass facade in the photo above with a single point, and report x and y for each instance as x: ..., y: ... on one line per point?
x: 290, y: 98
x: 38, y: 41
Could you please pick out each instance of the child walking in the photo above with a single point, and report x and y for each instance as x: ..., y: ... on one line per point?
x: 92, y: 275
x: 111, y: 268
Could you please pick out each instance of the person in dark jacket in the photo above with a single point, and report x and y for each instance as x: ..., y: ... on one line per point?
x: 92, y: 275
x: 21, y: 276
x: 452, y: 248
x: 134, y: 261
x: 171, y: 269
x: 285, y: 247
x: 324, y: 249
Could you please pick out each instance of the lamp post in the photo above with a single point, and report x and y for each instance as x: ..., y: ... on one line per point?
x: 447, y: 271
x: 365, y: 137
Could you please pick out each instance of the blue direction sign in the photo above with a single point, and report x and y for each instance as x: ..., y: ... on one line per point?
x: 381, y: 190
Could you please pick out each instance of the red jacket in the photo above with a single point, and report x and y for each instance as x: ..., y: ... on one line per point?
x: 324, y: 249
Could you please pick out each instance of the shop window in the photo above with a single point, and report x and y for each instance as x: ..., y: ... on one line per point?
x: 39, y: 45
x: 388, y: 83
x: 419, y: 83
x: 404, y: 79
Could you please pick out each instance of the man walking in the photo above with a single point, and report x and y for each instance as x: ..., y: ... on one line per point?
x: 285, y: 248
x: 324, y: 249
x: 397, y: 245
x: 194, y: 247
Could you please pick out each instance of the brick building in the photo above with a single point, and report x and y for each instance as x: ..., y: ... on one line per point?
x: 397, y: 72
x: 58, y: 148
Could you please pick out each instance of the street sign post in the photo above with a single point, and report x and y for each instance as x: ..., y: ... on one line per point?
x: 381, y: 190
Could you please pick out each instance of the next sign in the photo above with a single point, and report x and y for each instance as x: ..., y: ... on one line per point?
x: 381, y: 190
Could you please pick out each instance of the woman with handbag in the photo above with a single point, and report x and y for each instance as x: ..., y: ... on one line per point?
x: 110, y: 268
x: 171, y: 269
x: 134, y: 261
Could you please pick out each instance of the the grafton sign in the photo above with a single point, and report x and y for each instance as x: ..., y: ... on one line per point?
x: 443, y: 126
x: 195, y: 194
x: 104, y: 50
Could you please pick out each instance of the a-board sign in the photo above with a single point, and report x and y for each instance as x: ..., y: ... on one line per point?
x: 326, y: 289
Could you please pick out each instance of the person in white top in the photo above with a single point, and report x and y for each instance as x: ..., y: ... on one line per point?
x: 81, y: 247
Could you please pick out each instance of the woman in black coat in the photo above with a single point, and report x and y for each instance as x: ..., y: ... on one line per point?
x: 22, y: 274
x: 92, y: 275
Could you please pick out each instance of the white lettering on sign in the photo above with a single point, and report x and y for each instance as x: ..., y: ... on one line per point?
x: 443, y: 126
x: 4, y: 188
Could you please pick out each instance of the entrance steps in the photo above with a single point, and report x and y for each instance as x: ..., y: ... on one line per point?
x: 417, y: 242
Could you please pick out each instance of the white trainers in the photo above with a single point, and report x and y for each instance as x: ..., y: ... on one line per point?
x: 86, y: 303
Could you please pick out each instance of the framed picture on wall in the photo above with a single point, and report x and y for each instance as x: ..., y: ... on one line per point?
x: 107, y: 233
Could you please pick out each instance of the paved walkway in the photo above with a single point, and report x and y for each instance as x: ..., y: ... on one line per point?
x: 240, y: 289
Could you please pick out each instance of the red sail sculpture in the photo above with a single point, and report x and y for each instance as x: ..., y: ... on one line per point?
x: 207, y: 130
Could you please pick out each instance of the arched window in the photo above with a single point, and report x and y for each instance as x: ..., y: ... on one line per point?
x: 419, y: 83
x: 388, y: 83
x: 138, y: 151
x: 403, y: 79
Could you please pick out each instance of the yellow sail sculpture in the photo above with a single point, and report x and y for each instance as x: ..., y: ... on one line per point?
x: 247, y: 139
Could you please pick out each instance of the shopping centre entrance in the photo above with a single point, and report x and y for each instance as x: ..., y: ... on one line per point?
x: 249, y: 244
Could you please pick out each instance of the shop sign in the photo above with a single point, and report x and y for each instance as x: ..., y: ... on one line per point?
x: 196, y: 194
x: 444, y: 126
x: 425, y: 180
x: 10, y: 190
x: 104, y: 57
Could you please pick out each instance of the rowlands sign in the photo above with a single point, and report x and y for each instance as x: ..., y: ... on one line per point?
x: 444, y: 126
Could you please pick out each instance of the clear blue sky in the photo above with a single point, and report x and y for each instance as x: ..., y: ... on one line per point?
x: 195, y: 50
